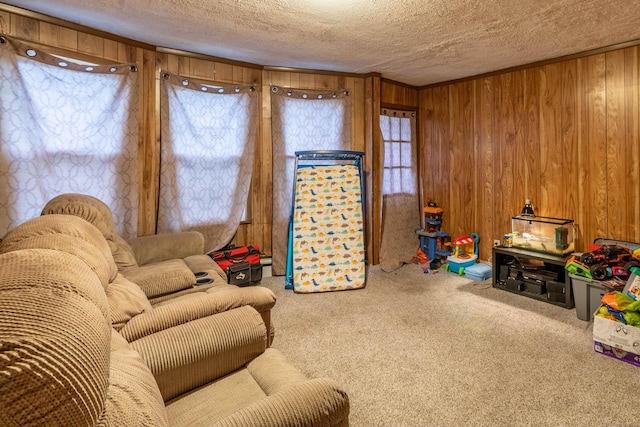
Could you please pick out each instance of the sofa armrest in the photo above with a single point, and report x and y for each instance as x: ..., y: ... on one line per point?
x: 196, y: 306
x: 164, y: 246
x: 315, y: 402
x: 190, y: 355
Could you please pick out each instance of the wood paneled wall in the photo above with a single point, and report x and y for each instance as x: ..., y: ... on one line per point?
x: 564, y: 135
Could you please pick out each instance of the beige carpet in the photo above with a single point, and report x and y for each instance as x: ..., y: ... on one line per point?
x: 415, y: 349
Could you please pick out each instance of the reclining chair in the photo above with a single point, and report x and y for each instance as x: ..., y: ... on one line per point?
x: 131, y: 313
x: 63, y: 364
x: 164, y: 265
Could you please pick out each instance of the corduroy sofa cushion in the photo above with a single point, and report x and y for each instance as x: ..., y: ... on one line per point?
x: 126, y: 300
x: 268, y: 392
x: 133, y: 397
x: 99, y: 214
x: 162, y: 277
x: 53, y: 371
x: 65, y: 233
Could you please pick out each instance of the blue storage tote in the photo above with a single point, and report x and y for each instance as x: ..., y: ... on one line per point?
x: 478, y: 272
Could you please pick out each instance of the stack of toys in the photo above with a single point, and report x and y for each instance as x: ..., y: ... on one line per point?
x: 616, y: 323
x: 604, y: 262
x: 622, y: 306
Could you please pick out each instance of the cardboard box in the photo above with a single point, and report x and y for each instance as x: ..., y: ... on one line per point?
x: 625, y: 356
x: 616, y: 334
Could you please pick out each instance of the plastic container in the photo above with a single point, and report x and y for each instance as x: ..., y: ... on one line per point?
x: 586, y: 295
x: 554, y: 236
x: 478, y: 272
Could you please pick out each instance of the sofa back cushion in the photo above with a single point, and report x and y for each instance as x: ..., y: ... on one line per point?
x: 99, y: 214
x: 65, y: 233
x: 54, y: 340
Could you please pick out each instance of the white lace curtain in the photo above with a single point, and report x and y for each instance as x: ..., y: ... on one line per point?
x: 400, y: 198
x: 208, y: 137
x: 66, y: 127
x: 301, y: 120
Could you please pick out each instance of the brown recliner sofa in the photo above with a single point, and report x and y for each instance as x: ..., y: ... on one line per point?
x: 63, y: 364
x: 164, y: 265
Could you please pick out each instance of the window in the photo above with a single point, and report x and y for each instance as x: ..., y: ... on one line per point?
x: 67, y: 127
x: 207, y: 144
x: 399, y: 165
x: 400, y: 198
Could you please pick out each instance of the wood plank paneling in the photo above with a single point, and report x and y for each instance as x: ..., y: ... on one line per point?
x: 91, y: 45
x: 550, y: 146
x: 569, y: 150
x: 224, y: 73
x: 529, y: 152
x: 593, y: 148
x: 485, y: 170
x: 25, y: 27
x: 149, y: 141
x: 616, y: 163
x: 64, y: 37
x: 508, y: 200
x: 461, y: 154
x: 395, y: 95
x: 564, y: 135
x: 632, y: 146
x: 438, y: 154
x: 5, y: 22
x: 372, y: 161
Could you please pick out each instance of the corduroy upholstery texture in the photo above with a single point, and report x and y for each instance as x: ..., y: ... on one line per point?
x: 144, y: 250
x: 163, y: 265
x: 54, y: 340
x: 190, y: 307
x: 126, y: 301
x: 62, y: 364
x: 64, y: 233
x: 97, y: 213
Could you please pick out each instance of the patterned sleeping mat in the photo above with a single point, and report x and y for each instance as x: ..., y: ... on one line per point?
x: 328, y: 234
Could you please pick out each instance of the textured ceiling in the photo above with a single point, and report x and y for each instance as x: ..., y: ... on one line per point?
x: 417, y: 42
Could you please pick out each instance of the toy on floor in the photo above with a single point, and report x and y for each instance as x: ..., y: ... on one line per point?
x: 433, y: 241
x: 464, y: 253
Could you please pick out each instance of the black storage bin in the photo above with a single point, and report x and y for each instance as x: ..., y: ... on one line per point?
x: 535, y: 287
